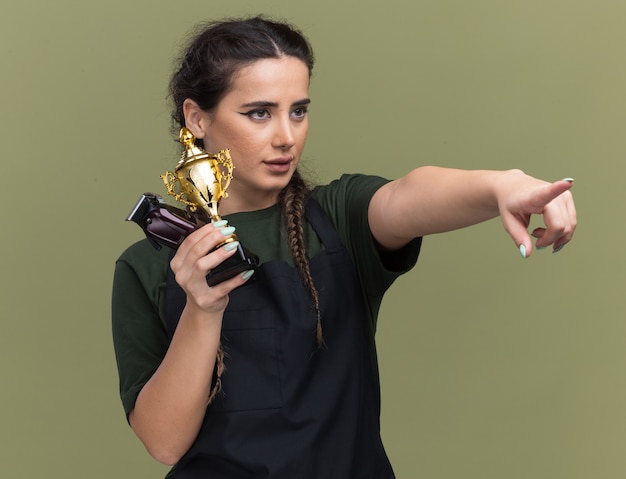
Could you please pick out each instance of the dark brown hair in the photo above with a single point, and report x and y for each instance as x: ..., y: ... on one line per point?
x: 219, y: 49
x: 205, y: 74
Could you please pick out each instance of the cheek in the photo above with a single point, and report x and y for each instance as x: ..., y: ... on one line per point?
x: 248, y: 144
x: 228, y: 133
x: 302, y: 139
x: 303, y: 131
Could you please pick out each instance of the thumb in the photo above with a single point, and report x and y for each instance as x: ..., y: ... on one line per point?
x: 517, y: 226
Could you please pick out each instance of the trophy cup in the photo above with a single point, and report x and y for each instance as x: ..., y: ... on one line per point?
x: 202, y: 179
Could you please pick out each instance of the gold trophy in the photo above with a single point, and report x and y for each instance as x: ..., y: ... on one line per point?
x: 203, y: 178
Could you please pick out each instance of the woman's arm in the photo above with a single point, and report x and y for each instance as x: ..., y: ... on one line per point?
x: 433, y: 200
x: 171, y: 406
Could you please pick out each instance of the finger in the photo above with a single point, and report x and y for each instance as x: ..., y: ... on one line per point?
x: 560, y: 220
x: 226, y: 286
x: 201, y: 242
x: 538, y: 233
x: 193, y: 277
x: 568, y: 232
x: 215, y: 298
x: 189, y: 244
x: 517, y: 226
x: 216, y: 257
x: 211, y: 240
x: 547, y: 194
x: 200, y: 234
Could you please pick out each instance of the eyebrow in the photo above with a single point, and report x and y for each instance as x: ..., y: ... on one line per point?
x: 272, y: 104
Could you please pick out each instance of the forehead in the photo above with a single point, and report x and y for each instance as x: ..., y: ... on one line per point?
x: 271, y: 79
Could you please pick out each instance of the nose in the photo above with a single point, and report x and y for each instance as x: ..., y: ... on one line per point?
x: 284, y: 137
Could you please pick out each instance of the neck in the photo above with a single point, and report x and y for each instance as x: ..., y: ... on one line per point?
x: 242, y: 203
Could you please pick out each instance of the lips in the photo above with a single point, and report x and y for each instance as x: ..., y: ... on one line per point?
x: 279, y: 165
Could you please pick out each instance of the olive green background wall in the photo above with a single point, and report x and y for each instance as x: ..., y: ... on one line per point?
x: 492, y: 366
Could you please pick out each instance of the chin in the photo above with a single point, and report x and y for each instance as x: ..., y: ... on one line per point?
x: 280, y: 184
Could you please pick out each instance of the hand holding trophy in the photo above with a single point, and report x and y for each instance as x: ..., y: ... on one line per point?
x: 203, y: 179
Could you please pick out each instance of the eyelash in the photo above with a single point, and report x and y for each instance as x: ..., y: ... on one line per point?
x: 303, y: 109
x: 254, y: 113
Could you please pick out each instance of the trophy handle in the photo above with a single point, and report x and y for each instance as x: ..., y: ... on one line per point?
x: 224, y: 159
x: 170, y: 180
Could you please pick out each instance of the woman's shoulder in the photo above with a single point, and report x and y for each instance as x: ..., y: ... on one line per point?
x: 350, y: 181
x: 349, y: 191
x: 142, y: 255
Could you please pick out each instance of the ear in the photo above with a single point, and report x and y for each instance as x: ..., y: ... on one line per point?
x: 196, y: 119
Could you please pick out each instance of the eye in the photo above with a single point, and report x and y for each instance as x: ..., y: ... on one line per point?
x: 260, y: 114
x: 299, y: 112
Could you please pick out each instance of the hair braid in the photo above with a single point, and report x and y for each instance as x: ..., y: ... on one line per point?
x: 219, y: 370
x: 292, y: 200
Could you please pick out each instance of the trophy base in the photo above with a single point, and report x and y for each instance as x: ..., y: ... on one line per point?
x: 242, y: 260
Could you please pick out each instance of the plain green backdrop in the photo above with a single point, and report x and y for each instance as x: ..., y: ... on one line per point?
x: 492, y: 366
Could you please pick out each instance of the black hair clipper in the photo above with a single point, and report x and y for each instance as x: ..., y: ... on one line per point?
x: 166, y: 225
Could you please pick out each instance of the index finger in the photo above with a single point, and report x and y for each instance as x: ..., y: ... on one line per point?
x: 552, y: 191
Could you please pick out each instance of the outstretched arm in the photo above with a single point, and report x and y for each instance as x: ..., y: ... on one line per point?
x: 432, y: 200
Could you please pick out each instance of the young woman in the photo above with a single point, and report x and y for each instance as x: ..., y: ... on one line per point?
x: 275, y: 376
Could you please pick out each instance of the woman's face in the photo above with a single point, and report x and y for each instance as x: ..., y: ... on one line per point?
x: 263, y: 120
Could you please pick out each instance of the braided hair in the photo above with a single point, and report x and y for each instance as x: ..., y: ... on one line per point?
x: 292, y: 200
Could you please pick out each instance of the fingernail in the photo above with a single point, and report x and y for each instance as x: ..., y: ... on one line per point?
x: 220, y: 223
x: 522, y: 251
x: 231, y: 246
x: 246, y: 274
x: 539, y: 248
x: 557, y: 249
x: 571, y: 180
x: 229, y: 230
